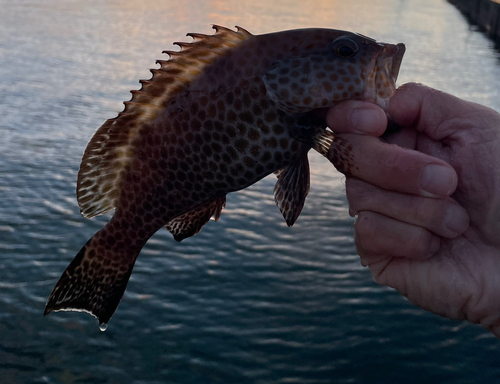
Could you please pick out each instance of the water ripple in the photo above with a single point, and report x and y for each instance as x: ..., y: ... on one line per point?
x: 248, y: 300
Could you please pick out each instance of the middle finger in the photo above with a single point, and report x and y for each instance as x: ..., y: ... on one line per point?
x: 444, y: 217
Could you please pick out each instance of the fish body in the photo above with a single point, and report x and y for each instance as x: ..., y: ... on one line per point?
x: 222, y: 113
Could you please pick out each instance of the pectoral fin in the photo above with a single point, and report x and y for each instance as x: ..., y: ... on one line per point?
x: 336, y: 149
x: 292, y: 188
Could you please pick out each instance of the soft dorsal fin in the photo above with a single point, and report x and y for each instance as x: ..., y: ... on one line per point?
x: 291, y: 190
x: 190, y: 223
x: 110, y: 150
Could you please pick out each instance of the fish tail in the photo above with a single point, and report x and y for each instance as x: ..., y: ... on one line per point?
x: 95, y: 280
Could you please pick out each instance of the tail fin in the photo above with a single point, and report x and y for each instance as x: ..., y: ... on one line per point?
x: 94, y: 282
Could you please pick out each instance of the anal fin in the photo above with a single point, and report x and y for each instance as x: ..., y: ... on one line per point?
x: 190, y: 223
x: 292, y: 188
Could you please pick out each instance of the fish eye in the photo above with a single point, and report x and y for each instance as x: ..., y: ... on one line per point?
x: 345, y: 48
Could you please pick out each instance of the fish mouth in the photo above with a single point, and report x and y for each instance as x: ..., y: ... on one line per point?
x: 392, y: 57
x: 382, y: 73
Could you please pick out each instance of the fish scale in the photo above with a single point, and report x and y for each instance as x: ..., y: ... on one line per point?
x: 222, y: 113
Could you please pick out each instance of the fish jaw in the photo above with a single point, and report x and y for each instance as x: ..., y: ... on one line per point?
x: 382, y: 73
x: 396, y: 52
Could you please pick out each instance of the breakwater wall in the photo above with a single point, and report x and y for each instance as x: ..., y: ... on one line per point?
x: 483, y: 13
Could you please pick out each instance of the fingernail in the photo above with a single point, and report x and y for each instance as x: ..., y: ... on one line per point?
x: 366, y: 119
x: 456, y: 219
x: 438, y: 180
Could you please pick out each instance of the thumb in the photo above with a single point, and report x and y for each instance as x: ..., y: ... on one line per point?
x: 437, y: 114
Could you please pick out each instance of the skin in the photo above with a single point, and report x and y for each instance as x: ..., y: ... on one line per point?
x: 427, y: 200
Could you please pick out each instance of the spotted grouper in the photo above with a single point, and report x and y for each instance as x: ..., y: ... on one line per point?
x: 220, y: 114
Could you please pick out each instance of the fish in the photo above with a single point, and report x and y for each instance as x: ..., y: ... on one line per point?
x: 218, y: 115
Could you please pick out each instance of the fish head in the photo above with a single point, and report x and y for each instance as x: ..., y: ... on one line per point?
x: 330, y: 66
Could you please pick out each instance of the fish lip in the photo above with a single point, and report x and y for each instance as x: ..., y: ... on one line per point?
x: 397, y: 59
x: 392, y: 57
x: 387, y: 62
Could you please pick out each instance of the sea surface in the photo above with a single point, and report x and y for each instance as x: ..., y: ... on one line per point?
x: 248, y: 300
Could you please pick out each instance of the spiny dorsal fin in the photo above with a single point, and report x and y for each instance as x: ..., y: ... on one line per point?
x: 190, y: 223
x: 110, y: 150
x: 292, y: 188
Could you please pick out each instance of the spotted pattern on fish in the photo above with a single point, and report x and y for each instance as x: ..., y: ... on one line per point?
x: 303, y: 84
x: 111, y: 150
x: 225, y: 111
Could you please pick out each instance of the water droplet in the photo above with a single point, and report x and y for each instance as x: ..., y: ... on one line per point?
x: 103, y: 326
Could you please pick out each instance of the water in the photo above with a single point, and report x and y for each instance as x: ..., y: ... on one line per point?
x: 248, y: 300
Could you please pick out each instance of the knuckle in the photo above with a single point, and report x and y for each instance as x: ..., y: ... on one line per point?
x: 379, y: 271
x: 428, y: 211
x: 356, y: 192
x: 420, y: 245
x: 360, y: 250
x: 432, y: 214
x: 392, y: 158
x: 363, y: 232
x: 417, y: 211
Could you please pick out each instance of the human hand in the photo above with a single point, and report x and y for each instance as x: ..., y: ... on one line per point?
x: 428, y: 199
